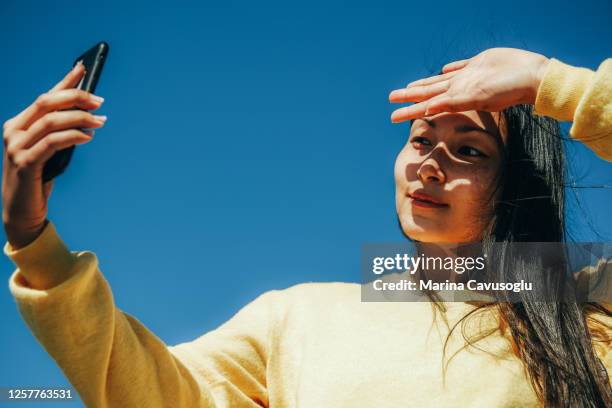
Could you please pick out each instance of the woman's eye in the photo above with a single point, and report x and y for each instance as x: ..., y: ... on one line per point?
x: 470, y: 151
x: 420, y: 141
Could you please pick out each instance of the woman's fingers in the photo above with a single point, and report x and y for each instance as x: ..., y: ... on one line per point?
x: 455, y: 65
x: 451, y: 103
x: 71, y: 79
x: 53, y: 101
x: 418, y: 93
x: 56, y: 121
x: 409, y: 112
x: 432, y: 80
x: 45, y: 148
x: 442, y: 103
x: 430, y: 93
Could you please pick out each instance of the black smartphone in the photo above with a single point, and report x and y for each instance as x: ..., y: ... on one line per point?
x: 93, y: 59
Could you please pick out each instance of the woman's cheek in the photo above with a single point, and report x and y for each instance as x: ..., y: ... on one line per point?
x: 477, y: 211
x: 397, y: 173
x: 401, y: 163
x: 480, y: 178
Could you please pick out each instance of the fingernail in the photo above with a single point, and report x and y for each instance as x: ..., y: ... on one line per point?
x: 97, y: 98
x: 100, y: 118
x: 76, y: 66
x: 89, y: 132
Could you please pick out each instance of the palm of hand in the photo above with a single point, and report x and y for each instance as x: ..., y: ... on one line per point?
x: 490, y: 81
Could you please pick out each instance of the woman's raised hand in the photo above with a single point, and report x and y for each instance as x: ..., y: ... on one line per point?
x: 493, y: 80
x: 49, y: 124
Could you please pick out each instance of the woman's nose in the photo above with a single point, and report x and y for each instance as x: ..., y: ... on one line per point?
x: 431, y: 172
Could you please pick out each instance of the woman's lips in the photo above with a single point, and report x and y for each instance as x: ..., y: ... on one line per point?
x: 419, y: 199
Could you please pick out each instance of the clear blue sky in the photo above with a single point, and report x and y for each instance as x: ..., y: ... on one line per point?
x: 248, y: 145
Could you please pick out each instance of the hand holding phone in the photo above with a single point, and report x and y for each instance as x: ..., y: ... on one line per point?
x: 93, y: 61
x: 53, y: 122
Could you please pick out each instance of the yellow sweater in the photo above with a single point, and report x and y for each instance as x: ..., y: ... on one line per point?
x: 309, y: 345
x: 580, y: 95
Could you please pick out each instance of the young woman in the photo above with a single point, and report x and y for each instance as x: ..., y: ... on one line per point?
x: 480, y: 165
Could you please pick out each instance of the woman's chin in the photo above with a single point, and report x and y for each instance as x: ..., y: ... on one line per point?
x: 422, y: 233
x: 417, y: 233
x: 426, y: 237
x: 440, y: 236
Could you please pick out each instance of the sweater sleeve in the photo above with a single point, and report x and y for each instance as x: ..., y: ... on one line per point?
x: 113, y: 360
x: 582, y: 96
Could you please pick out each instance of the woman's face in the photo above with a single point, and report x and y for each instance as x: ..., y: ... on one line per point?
x: 445, y: 175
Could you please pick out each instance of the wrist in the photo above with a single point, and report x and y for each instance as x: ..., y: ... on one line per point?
x: 20, y: 237
x: 538, y: 75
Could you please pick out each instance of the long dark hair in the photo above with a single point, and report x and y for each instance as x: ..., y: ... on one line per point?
x: 552, y: 338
